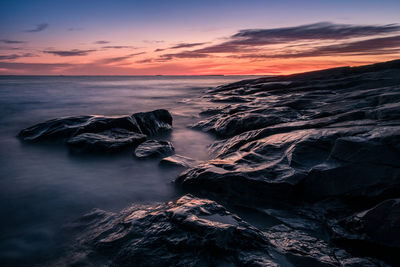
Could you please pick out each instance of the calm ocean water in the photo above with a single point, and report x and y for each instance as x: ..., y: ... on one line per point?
x: 43, y: 187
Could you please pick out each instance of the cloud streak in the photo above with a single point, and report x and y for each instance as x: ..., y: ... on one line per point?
x: 69, y: 53
x: 16, y: 56
x: 7, y: 41
x: 118, y: 59
x: 375, y: 46
x: 186, y: 45
x: 249, y: 39
x: 117, y: 46
x: 40, y: 27
x: 102, y: 42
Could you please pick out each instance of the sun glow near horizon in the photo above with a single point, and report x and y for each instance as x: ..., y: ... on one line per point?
x: 155, y: 38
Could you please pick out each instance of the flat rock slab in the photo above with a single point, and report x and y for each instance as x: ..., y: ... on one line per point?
x: 153, y: 149
x: 178, y: 161
x: 108, y: 141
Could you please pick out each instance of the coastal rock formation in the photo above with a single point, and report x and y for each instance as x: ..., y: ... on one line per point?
x: 327, y: 138
x: 193, y: 232
x: 332, y: 133
x: 311, y: 162
x: 186, y: 232
x: 98, y: 133
x: 302, y: 249
x: 154, y: 148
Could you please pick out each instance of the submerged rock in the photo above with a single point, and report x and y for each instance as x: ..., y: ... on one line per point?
x: 101, y: 134
x: 107, y: 141
x: 154, y: 148
x: 178, y: 161
x: 186, y: 232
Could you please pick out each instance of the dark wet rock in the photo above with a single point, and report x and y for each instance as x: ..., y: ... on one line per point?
x: 304, y: 250
x: 64, y: 128
x: 149, y: 123
x: 194, y: 232
x: 154, y: 122
x: 178, y: 161
x: 154, y: 148
x: 376, y: 227
x: 332, y: 133
x: 101, y: 134
x: 186, y: 232
x: 108, y: 141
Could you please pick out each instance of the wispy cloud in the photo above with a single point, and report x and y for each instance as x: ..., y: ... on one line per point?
x: 40, y: 27
x: 185, y: 54
x: 249, y: 39
x: 186, y: 45
x: 102, y: 42
x: 69, y: 53
x: 179, y: 46
x: 375, y: 46
x: 8, y: 41
x: 117, y: 46
x: 118, y: 59
x: 153, y: 41
x: 15, y: 56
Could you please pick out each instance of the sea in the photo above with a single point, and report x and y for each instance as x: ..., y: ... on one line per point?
x: 44, y: 186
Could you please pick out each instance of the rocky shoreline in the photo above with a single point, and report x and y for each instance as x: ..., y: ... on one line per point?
x: 317, y: 152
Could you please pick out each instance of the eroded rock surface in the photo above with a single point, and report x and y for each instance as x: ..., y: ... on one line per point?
x: 329, y: 139
x: 193, y: 232
x: 178, y: 161
x: 101, y: 134
x: 186, y: 232
x: 108, y: 141
x: 153, y: 149
x: 332, y: 133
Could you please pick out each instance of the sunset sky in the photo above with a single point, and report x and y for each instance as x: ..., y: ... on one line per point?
x: 194, y: 37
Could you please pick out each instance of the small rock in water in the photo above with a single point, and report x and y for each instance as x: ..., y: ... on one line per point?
x: 154, y: 148
x: 178, y: 161
x: 99, y: 133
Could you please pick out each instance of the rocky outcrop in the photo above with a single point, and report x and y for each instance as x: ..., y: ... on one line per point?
x: 186, y: 232
x: 310, y: 136
x: 193, y: 232
x: 302, y: 249
x: 329, y: 139
x: 98, y: 133
x: 153, y: 149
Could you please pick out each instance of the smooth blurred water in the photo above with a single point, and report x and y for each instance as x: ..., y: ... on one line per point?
x: 43, y: 187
